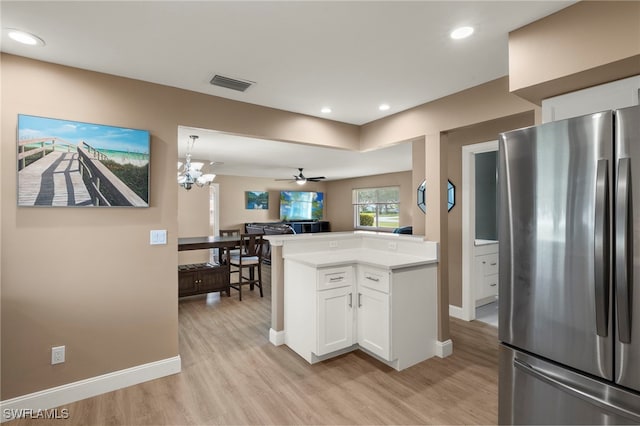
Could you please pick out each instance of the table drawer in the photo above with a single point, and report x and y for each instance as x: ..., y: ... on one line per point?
x: 335, y: 277
x: 376, y: 279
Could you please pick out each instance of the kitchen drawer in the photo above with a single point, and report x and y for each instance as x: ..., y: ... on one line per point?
x: 489, y: 263
x: 488, y: 287
x: 335, y: 277
x: 376, y: 279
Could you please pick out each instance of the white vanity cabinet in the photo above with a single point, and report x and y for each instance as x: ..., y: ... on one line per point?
x: 486, y: 273
x: 389, y: 313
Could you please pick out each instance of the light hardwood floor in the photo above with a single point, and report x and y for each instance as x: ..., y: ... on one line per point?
x: 231, y: 374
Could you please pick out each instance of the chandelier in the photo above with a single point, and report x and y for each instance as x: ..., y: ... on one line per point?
x: 192, y: 174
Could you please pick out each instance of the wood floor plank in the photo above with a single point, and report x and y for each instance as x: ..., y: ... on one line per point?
x: 231, y: 374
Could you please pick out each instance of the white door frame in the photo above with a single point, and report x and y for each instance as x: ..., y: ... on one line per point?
x: 214, y: 216
x: 468, y: 310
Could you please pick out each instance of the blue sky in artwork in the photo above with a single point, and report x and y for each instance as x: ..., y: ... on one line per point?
x: 97, y: 135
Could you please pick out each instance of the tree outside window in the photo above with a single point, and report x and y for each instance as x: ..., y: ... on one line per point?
x: 376, y: 208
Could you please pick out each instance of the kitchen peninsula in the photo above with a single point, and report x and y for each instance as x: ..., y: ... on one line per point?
x: 341, y: 291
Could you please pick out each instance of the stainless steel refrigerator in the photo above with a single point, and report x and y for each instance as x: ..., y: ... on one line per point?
x: 569, y: 305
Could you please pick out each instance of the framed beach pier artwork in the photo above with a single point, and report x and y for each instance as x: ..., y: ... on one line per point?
x: 63, y: 163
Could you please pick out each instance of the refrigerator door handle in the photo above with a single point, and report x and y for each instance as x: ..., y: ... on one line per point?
x: 590, y: 395
x: 601, y: 248
x: 624, y: 249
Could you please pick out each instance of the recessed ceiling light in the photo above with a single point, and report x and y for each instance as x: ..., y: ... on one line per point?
x: 25, y: 38
x: 325, y: 110
x: 462, y: 32
x: 383, y: 107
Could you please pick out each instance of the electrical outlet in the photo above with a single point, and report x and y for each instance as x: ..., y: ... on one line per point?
x: 333, y: 244
x: 393, y: 245
x: 57, y: 355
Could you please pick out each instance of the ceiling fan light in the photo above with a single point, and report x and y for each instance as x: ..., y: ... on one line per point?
x: 301, y: 181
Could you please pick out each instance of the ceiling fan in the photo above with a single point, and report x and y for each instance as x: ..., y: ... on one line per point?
x: 301, y: 179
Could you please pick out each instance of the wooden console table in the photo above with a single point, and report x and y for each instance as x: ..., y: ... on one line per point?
x: 202, y: 278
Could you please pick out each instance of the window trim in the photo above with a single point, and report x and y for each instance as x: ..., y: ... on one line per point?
x: 355, y: 205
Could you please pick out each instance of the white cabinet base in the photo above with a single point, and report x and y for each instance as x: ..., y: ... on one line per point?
x: 397, y: 327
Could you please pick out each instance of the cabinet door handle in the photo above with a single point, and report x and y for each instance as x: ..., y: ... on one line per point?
x: 372, y: 279
x: 493, y: 285
x: 334, y: 279
x: 494, y: 263
x: 359, y: 300
x: 351, y: 300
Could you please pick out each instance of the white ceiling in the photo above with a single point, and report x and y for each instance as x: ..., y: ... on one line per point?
x: 303, y: 55
x: 241, y: 156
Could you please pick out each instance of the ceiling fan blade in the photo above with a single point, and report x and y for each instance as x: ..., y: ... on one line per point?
x: 283, y: 180
x: 316, y: 178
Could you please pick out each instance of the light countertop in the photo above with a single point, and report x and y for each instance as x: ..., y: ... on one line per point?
x: 375, y: 258
x: 484, y: 242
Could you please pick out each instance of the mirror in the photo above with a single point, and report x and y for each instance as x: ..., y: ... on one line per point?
x: 451, y: 195
x: 421, y: 196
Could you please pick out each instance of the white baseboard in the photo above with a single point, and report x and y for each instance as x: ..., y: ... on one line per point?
x: 457, y: 312
x: 276, y: 337
x: 72, y: 392
x: 444, y: 349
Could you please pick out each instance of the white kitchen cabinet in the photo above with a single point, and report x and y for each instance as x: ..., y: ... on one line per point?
x: 319, y: 309
x: 486, y: 273
x: 617, y: 94
x: 389, y: 313
x: 335, y: 319
x: 373, y: 312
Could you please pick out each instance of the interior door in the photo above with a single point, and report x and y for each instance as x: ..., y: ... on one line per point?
x: 554, y: 226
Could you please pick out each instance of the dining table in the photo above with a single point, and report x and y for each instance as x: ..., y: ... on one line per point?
x: 206, y: 277
x: 209, y: 242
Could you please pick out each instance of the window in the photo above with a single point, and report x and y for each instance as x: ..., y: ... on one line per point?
x: 376, y: 208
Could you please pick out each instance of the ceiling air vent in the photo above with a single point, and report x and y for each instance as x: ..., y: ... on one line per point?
x: 231, y: 83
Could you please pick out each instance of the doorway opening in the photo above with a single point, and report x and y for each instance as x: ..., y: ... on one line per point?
x: 469, y: 248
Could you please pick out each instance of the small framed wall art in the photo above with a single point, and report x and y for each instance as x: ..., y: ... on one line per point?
x: 257, y: 200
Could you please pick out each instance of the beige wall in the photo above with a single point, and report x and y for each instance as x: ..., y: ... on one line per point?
x: 232, y: 199
x: 489, y: 101
x: 88, y: 278
x: 193, y: 205
x: 339, y: 197
x: 455, y: 140
x: 418, y: 176
x: 589, y: 43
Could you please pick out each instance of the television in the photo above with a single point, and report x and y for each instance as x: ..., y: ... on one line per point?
x: 301, y: 205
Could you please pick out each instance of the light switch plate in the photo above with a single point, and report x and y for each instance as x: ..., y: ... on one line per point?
x: 158, y: 236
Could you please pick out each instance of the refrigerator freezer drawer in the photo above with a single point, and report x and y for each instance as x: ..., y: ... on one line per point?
x: 533, y: 391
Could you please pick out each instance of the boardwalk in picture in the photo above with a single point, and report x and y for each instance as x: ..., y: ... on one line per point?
x: 53, y: 181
